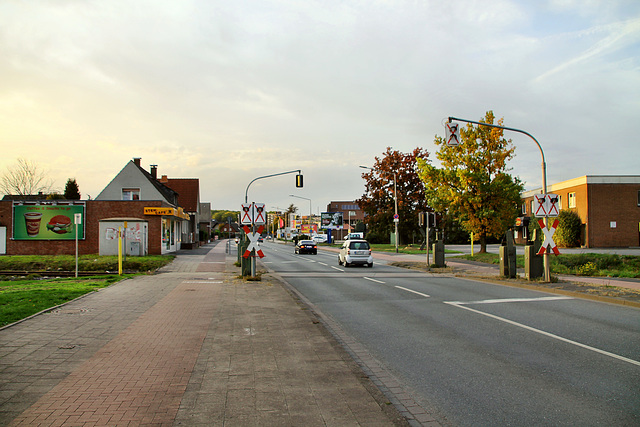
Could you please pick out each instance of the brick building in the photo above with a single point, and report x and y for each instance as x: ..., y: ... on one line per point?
x: 608, y: 205
x: 351, y: 215
x: 148, y: 212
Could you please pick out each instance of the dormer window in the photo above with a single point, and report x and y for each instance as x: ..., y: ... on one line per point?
x: 130, y: 194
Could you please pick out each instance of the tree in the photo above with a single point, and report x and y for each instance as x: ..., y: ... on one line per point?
x: 473, y: 184
x: 222, y: 215
x: 378, y: 201
x: 25, y: 178
x: 71, y: 190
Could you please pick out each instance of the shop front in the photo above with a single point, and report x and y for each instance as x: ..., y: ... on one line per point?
x: 174, y: 222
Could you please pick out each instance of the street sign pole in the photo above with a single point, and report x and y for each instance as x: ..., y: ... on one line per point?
x: 547, y: 269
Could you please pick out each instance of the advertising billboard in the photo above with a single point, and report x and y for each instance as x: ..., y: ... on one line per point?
x: 332, y: 220
x: 47, y: 222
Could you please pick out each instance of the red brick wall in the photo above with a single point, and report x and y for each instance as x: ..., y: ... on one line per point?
x: 95, y: 211
x: 613, y: 202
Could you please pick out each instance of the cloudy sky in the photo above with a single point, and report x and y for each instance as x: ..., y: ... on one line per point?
x: 227, y: 91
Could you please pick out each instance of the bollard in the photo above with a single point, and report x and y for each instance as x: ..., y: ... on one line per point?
x: 533, y: 265
x: 438, y: 254
x: 508, y: 265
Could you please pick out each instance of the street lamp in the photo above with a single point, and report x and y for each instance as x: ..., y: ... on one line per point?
x: 305, y: 198
x: 395, y: 199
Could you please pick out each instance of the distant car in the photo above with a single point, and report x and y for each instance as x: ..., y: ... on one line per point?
x: 306, y: 247
x: 320, y: 238
x: 355, y: 252
x: 260, y: 239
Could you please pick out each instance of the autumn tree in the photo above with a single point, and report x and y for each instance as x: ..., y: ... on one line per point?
x: 222, y: 215
x: 25, y: 178
x: 473, y: 184
x: 71, y: 190
x: 378, y: 200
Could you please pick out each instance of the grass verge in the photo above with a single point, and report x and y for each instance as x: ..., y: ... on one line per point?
x: 95, y: 263
x: 22, y: 298
x: 597, y: 265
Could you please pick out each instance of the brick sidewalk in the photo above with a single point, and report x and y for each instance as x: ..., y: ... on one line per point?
x: 190, y: 346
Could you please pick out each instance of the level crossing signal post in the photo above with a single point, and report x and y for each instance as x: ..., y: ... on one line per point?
x: 453, y: 138
x: 254, y: 214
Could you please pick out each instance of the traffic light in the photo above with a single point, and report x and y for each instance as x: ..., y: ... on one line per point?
x: 299, y: 181
x: 421, y: 219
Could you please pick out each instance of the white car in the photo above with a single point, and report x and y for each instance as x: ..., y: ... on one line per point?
x: 355, y: 252
x: 320, y: 238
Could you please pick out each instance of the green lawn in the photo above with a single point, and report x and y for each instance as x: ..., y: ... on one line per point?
x: 95, y: 263
x: 21, y: 298
x: 604, y: 265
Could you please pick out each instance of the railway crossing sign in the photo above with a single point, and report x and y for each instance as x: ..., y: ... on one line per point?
x: 247, y: 213
x: 453, y: 134
x: 253, y: 241
x: 548, y: 238
x: 546, y: 204
x: 253, y: 213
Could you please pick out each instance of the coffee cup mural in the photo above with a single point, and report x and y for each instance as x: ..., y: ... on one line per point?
x: 32, y: 220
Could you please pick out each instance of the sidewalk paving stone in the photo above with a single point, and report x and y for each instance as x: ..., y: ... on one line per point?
x: 193, y: 345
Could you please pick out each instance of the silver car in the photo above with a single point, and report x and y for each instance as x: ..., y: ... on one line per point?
x: 355, y: 252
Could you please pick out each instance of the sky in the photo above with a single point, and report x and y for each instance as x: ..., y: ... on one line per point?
x: 229, y: 91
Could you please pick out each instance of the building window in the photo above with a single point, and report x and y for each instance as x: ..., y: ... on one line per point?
x: 638, y: 197
x: 572, y: 200
x: 130, y: 194
x: 524, y: 209
x: 533, y: 207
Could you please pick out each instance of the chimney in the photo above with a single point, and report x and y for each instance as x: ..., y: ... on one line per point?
x: 164, y: 179
x: 136, y: 160
x: 154, y: 171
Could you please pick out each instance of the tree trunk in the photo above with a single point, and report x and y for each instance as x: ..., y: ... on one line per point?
x: 483, y: 244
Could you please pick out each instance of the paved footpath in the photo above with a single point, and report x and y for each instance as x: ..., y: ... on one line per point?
x: 193, y: 346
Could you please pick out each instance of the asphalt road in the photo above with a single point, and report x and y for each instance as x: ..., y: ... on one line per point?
x: 474, y: 353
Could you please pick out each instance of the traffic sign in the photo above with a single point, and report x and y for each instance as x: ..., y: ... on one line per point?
x: 253, y: 241
x: 547, y: 204
x: 453, y: 134
x: 259, y: 214
x: 396, y: 216
x: 247, y: 213
x: 548, y: 237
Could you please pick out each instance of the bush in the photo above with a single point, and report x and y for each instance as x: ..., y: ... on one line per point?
x: 569, y: 227
x: 588, y: 269
x: 377, y: 238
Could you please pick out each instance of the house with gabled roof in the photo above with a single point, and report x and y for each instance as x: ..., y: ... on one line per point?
x: 134, y: 183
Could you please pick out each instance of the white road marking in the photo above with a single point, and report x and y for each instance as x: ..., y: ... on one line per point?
x: 336, y: 268
x: 373, y: 280
x: 415, y: 292
x: 548, y: 334
x: 322, y: 263
x: 498, y: 301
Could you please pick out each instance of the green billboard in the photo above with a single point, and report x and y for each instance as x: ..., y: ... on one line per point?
x: 47, y: 222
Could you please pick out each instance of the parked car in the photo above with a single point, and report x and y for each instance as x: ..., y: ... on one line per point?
x: 355, y: 252
x: 306, y: 247
x: 320, y: 238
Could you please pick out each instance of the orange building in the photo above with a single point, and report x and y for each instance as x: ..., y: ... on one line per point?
x: 608, y: 205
